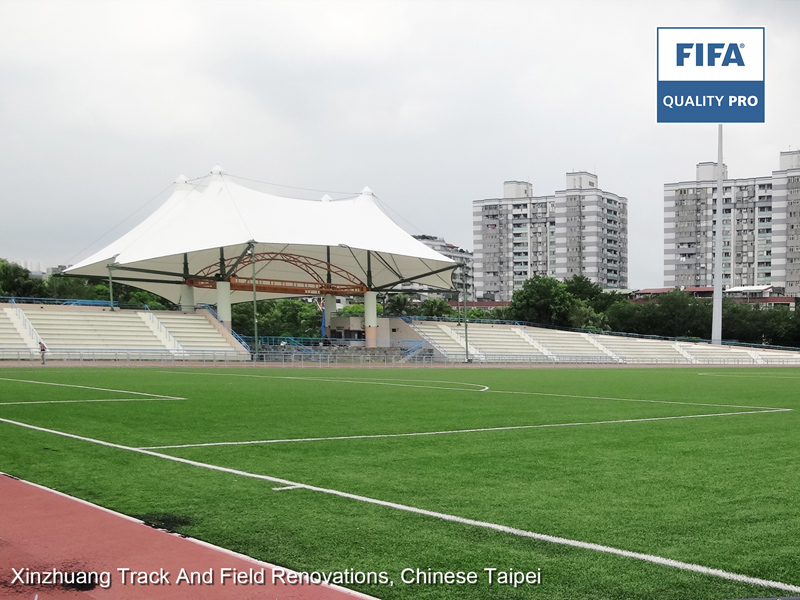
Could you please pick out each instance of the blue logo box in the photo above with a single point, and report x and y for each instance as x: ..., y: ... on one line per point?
x: 710, y: 102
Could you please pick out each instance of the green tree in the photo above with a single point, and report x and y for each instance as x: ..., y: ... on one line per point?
x: 356, y: 310
x: 777, y: 326
x: 682, y: 315
x: 295, y: 318
x: 398, y: 304
x: 435, y: 307
x: 582, y: 315
x: 17, y: 281
x: 501, y: 313
x: 477, y: 313
x: 153, y: 301
x: 676, y: 314
x: 242, y: 316
x: 74, y: 288
x: 742, y: 322
x: 542, y: 300
x: 582, y: 288
x: 625, y: 316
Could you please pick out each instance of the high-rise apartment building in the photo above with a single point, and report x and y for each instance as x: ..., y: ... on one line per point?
x: 463, y: 277
x: 760, y: 228
x: 580, y: 230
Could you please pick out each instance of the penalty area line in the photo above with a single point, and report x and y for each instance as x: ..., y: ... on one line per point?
x: 456, y: 431
x: 650, y: 558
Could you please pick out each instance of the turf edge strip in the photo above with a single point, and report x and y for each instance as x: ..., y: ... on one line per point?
x: 659, y: 560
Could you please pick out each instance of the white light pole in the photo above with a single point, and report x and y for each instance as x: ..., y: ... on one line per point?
x: 716, y: 322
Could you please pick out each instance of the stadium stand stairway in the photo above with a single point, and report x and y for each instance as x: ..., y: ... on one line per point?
x: 439, y: 336
x: 708, y: 354
x: 15, y: 339
x: 776, y: 357
x: 570, y: 345
x: 633, y: 350
x: 504, y: 343
x: 200, y: 336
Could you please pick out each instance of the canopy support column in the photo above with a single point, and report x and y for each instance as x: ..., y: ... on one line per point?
x: 186, y: 301
x: 330, y: 308
x: 330, y: 299
x: 224, y: 302
x: 371, y: 319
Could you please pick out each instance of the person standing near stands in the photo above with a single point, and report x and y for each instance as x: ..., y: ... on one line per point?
x: 42, y: 351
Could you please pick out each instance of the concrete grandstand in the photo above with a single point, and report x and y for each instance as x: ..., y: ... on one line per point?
x: 96, y: 333
x: 503, y: 343
x: 90, y: 333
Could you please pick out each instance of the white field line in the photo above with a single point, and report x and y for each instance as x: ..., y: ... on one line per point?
x: 455, y: 431
x: 383, y: 381
x: 525, y: 393
x: 482, y: 388
x: 84, y: 401
x: 86, y: 387
x: 726, y: 375
x: 667, y: 562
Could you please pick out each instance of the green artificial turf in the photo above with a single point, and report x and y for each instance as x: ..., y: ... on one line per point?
x: 718, y: 491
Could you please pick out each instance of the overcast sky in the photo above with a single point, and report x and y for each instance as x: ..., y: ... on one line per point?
x: 432, y: 104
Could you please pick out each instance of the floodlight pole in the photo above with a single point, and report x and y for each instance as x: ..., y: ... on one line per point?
x: 255, y: 305
x: 466, y: 320
x: 110, y: 288
x: 716, y: 323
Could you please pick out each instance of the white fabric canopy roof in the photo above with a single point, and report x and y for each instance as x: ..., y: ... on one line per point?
x: 201, y: 218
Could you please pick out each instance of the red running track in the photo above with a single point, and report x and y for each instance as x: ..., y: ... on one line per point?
x: 42, y: 531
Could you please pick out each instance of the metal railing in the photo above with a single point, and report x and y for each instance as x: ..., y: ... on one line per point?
x: 350, y: 358
x: 34, y: 335
x: 214, y: 314
x: 166, y: 333
x: 122, y: 355
x: 71, y: 302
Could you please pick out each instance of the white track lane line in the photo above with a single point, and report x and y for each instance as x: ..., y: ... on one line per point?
x: 86, y: 387
x: 456, y: 431
x: 659, y: 560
